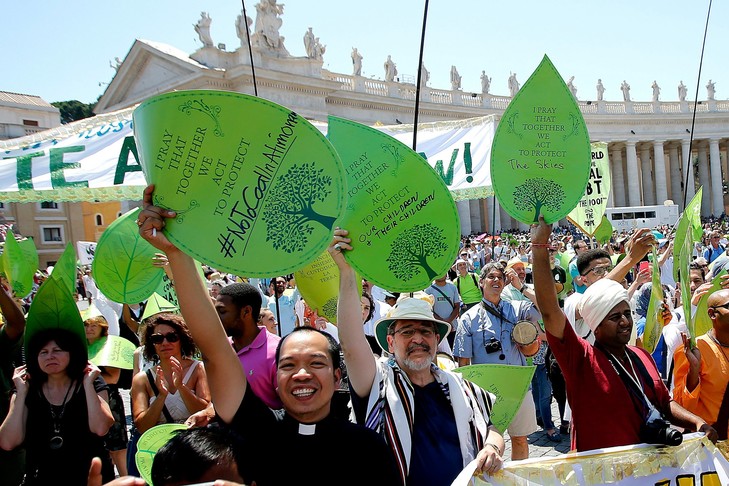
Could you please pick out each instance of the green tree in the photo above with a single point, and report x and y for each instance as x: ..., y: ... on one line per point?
x: 289, y: 211
x: 74, y: 110
x: 537, y: 193
x: 409, y: 252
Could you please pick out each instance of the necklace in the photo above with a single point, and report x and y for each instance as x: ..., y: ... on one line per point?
x: 713, y: 337
x: 56, y: 441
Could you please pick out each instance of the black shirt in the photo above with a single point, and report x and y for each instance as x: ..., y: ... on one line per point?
x: 330, y: 452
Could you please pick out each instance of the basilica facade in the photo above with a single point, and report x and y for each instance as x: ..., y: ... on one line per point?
x: 649, y: 142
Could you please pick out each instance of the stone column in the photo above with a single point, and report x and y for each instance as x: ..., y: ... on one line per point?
x: 464, y: 213
x: 475, y: 215
x: 646, y: 174
x: 618, y: 189
x: 704, y: 181
x: 688, y: 168
x: 633, y: 180
x: 494, y: 218
x: 717, y: 186
x: 659, y: 162
x: 676, y: 176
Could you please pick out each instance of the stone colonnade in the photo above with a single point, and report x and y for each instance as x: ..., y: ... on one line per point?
x: 644, y: 173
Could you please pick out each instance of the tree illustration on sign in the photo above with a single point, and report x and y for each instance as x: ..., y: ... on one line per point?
x: 410, y: 251
x: 329, y: 309
x: 537, y: 193
x: 289, y: 211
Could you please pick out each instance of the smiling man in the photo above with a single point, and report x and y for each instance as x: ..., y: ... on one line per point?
x: 617, y: 395
x: 435, y: 422
x: 307, y: 374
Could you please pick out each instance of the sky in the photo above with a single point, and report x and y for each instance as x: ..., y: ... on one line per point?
x: 62, y: 50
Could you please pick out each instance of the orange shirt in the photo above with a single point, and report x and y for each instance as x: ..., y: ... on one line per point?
x: 704, y: 400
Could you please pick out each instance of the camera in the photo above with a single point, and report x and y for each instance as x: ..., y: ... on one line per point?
x: 493, y: 346
x: 656, y: 430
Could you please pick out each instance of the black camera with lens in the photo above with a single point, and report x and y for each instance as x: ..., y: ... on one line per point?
x: 656, y: 430
x: 493, y: 346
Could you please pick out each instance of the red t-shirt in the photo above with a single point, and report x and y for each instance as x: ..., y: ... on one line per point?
x: 602, y: 409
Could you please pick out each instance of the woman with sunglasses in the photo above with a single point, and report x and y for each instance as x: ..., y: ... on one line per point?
x: 177, y: 387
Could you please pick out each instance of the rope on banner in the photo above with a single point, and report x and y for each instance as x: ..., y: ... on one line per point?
x: 250, y: 47
x: 420, y: 74
x: 693, y: 117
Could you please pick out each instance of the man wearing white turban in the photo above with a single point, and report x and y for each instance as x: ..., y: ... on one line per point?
x: 614, y: 389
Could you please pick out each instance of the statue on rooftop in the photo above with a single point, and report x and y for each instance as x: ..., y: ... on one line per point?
x: 513, y: 85
x: 682, y: 91
x: 625, y: 88
x: 268, y: 23
x: 202, y: 27
x: 485, y: 83
x: 656, y: 91
x: 356, y: 62
x: 600, y: 90
x: 390, y: 69
x: 455, y: 79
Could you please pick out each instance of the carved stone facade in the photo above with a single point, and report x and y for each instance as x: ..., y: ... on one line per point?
x: 648, y: 141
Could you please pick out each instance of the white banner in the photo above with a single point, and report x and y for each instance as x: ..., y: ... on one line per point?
x: 96, y: 159
x: 696, y: 462
x: 86, y: 250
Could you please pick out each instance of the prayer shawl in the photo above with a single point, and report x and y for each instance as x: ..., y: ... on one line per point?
x: 391, y: 411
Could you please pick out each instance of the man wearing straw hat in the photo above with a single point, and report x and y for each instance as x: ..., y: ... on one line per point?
x: 617, y: 395
x: 435, y: 422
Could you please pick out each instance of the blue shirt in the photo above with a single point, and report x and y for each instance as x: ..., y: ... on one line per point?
x: 477, y: 326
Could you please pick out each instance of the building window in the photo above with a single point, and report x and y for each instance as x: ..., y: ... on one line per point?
x: 30, y: 123
x: 52, y: 234
x: 99, y: 220
x: 48, y: 205
x: 2, y: 205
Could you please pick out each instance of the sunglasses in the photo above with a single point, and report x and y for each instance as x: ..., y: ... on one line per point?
x: 725, y: 306
x: 171, y: 337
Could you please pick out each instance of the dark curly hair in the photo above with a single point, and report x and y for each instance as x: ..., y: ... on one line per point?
x: 67, y: 341
x: 372, y: 304
x: 175, y: 321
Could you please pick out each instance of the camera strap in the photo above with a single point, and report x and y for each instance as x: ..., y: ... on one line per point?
x: 495, y: 312
x: 634, y: 387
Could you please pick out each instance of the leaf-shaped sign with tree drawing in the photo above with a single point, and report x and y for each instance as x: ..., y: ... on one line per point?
x: 401, y: 217
x: 256, y: 187
x: 540, y: 157
x: 122, y: 266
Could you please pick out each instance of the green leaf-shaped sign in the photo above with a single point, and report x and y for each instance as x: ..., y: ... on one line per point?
x: 509, y: 383
x: 20, y: 261
x: 54, y: 307
x: 540, y: 158
x: 112, y: 351
x: 604, y: 230
x: 149, y: 443
x: 122, y: 266
x: 256, y: 187
x: 64, y: 271
x: 401, y: 217
x: 318, y: 283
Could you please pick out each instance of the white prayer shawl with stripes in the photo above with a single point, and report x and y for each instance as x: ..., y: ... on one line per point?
x: 391, y: 411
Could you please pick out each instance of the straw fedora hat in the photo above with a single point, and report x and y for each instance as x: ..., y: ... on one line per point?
x: 409, y: 308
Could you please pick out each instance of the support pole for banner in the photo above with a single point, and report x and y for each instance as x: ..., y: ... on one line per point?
x: 420, y: 74
x: 253, y: 68
x: 693, y: 116
x: 278, y: 309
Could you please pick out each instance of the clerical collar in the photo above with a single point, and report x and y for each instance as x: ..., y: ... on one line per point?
x: 307, y: 429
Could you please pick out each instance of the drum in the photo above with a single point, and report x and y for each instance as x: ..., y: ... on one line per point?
x: 525, y: 334
x: 444, y: 361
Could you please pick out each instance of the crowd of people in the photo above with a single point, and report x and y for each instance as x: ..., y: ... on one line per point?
x: 257, y: 374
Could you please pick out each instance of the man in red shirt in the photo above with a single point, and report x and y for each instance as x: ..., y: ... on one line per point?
x: 613, y: 389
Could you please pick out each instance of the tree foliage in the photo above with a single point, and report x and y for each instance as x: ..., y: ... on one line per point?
x: 411, y: 249
x: 289, y: 211
x: 74, y: 110
x: 537, y: 193
x: 329, y: 309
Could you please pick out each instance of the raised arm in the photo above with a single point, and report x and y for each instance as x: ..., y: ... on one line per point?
x: 639, y: 246
x: 14, y: 319
x: 357, y: 352
x: 225, y: 375
x: 12, y: 430
x: 552, y: 315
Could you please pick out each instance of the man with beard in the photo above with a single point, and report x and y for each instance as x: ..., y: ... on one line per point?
x: 434, y: 421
